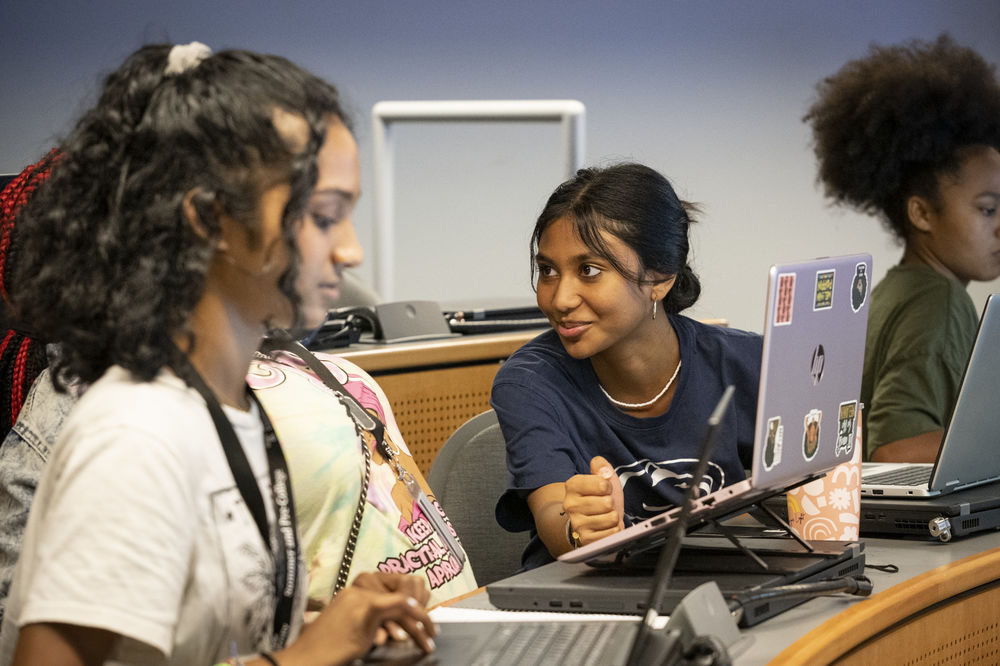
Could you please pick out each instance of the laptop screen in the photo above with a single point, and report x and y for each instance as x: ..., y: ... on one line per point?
x: 814, y: 346
x: 966, y: 454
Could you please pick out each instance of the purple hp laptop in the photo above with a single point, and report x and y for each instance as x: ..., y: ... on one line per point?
x: 807, y: 407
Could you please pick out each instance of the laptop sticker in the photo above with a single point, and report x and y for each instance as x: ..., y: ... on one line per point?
x: 846, y: 425
x: 772, y: 448
x: 823, y: 299
x: 786, y: 294
x: 810, y: 439
x: 859, y: 287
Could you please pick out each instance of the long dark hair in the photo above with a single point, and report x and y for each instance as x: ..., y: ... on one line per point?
x: 108, y: 264
x: 637, y: 205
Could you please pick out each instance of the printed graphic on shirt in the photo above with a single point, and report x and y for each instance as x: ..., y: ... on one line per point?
x: 772, y: 446
x: 859, y: 287
x: 249, y: 569
x: 327, y: 466
x: 643, y: 479
x: 428, y: 555
x: 810, y: 439
x: 823, y: 299
x: 784, y: 299
x: 846, y: 424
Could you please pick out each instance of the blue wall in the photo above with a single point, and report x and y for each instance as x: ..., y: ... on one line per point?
x: 711, y: 93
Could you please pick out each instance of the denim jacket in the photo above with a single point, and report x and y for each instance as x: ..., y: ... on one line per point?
x: 22, y: 457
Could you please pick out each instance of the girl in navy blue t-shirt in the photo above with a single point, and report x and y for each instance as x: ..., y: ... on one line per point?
x: 602, y: 415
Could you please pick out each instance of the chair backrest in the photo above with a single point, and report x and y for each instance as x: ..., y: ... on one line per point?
x: 468, y: 476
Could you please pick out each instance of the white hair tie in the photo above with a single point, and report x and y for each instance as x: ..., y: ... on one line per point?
x: 186, y: 56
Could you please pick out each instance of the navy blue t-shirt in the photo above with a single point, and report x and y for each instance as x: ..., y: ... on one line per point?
x: 555, y: 418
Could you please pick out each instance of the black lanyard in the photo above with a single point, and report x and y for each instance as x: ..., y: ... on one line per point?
x: 286, y: 554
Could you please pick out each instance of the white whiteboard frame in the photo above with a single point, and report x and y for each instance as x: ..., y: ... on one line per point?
x: 569, y: 113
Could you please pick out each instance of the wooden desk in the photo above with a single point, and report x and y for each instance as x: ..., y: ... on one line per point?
x: 950, y: 614
x: 437, y: 385
x: 837, y: 624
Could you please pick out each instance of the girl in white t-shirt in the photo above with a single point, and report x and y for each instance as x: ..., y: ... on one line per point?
x: 159, y: 252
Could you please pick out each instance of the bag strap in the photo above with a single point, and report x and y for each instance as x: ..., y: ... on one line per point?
x: 362, y: 421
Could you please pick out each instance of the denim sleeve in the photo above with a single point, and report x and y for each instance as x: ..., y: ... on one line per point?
x: 22, y: 457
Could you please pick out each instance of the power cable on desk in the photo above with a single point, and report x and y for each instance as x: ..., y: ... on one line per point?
x: 884, y: 568
x: 858, y: 586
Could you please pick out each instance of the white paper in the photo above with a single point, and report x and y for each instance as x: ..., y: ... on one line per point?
x: 443, y: 614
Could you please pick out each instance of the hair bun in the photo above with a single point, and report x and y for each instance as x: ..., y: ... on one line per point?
x: 684, y: 293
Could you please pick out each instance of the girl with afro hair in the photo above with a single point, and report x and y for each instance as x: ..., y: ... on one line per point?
x: 910, y: 134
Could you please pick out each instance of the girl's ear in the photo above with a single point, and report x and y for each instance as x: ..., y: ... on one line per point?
x: 198, y: 207
x: 662, y: 285
x: 920, y: 212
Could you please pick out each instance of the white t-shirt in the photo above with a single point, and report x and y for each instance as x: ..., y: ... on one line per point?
x: 138, y: 528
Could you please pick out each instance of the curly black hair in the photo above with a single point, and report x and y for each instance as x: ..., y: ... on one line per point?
x: 637, y: 205
x: 888, y: 126
x: 108, y: 264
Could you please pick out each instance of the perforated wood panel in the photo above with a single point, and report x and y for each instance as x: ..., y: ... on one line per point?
x: 964, y: 631
x: 429, y: 405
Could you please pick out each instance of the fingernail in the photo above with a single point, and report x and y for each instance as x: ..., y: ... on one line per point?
x: 412, y: 602
x: 400, y: 634
x: 431, y: 644
x: 420, y: 625
x: 607, y: 472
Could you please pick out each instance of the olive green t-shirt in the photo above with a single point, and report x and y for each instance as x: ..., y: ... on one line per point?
x: 921, y: 327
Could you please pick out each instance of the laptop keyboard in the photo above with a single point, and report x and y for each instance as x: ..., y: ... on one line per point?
x: 551, y: 642
x: 904, y: 476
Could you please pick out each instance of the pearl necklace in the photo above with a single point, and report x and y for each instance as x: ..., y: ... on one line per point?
x: 642, y: 405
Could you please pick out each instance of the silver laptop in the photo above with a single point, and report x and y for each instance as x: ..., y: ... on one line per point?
x: 807, y: 405
x: 967, y: 456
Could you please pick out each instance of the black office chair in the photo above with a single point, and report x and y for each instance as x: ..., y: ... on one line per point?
x: 468, y: 476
